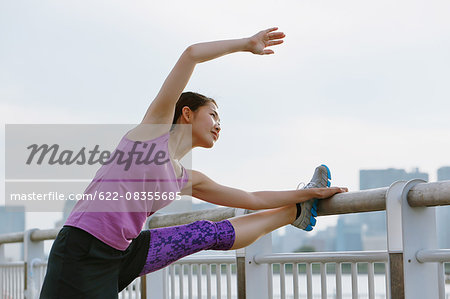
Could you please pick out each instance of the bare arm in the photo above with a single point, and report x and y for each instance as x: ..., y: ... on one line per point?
x: 206, y: 189
x: 162, y: 108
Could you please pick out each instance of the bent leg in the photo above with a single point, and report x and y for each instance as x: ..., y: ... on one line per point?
x: 249, y: 228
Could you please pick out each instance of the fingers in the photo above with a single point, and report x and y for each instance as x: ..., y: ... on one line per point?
x: 264, y: 39
x: 329, y: 192
x: 271, y: 29
x: 274, y: 42
x: 342, y: 189
x: 276, y: 35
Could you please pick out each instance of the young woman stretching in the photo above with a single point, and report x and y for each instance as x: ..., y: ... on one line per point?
x: 102, y: 247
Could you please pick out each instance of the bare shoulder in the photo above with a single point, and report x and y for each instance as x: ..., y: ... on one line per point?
x: 143, y: 132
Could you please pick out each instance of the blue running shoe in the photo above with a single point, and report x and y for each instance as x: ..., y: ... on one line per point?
x: 307, y: 211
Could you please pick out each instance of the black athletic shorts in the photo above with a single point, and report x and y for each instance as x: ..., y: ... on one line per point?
x: 81, y: 266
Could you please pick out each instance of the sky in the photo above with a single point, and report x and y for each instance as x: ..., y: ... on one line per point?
x: 356, y: 84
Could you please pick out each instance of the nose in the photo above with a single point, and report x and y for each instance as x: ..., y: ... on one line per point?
x: 217, y: 127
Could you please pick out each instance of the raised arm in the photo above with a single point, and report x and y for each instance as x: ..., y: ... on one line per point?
x: 206, y: 189
x: 162, y: 108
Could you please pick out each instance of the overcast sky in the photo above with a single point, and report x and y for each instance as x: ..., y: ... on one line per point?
x: 356, y: 85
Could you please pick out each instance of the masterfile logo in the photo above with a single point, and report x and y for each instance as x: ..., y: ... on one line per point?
x: 48, y: 166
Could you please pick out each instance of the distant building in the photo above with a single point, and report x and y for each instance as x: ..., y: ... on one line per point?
x: 68, y: 206
x: 12, y: 219
x: 288, y: 239
x: 443, y: 214
x: 324, y: 240
x: 443, y: 173
x: 370, y: 179
x: 348, y: 233
x: 373, y: 224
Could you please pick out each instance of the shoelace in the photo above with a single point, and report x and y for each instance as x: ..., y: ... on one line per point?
x: 309, y: 185
x: 298, y: 186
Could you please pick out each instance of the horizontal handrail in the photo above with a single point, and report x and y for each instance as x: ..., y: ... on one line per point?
x: 44, y: 234
x: 210, y: 259
x: 216, y: 214
x: 430, y: 194
x: 37, y: 235
x: 323, y: 257
x: 421, y: 195
x: 433, y: 255
x: 354, y: 202
x: 11, y: 238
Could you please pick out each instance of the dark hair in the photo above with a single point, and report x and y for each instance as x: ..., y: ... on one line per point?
x: 191, y: 99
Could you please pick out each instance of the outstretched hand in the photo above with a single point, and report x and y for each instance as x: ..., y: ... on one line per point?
x: 257, y: 43
x: 329, y: 192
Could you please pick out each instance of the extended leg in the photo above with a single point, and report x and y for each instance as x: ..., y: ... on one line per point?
x: 169, y: 244
x: 249, y: 228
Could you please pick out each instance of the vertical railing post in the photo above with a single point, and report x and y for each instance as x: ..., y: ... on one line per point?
x: 256, y: 278
x: 33, y: 252
x: 395, y: 240
x: 252, y: 278
x: 240, y: 273
x: 240, y: 266
x: 408, y: 230
x: 419, y: 232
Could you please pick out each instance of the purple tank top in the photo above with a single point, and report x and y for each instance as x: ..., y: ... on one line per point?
x: 126, y: 191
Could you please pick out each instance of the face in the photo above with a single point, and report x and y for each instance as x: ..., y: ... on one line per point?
x: 205, y: 126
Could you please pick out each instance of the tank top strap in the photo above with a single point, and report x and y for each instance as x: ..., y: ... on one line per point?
x: 184, y: 177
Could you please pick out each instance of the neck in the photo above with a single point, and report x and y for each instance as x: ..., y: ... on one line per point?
x: 180, y: 142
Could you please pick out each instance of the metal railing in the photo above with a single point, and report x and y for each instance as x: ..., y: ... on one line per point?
x: 322, y: 259
x: 199, y: 273
x: 12, y: 280
x: 440, y: 257
x: 413, y: 267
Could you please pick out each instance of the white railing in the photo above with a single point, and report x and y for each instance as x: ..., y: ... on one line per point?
x: 200, y: 280
x: 412, y: 266
x: 183, y: 285
x: 12, y: 280
x: 323, y: 259
x: 441, y: 257
x: 12, y: 284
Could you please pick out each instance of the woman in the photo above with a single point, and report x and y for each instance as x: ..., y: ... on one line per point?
x: 101, y: 247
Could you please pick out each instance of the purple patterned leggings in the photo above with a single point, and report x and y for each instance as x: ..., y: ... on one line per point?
x: 169, y: 244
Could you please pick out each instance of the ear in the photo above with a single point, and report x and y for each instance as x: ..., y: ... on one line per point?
x: 187, y: 114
